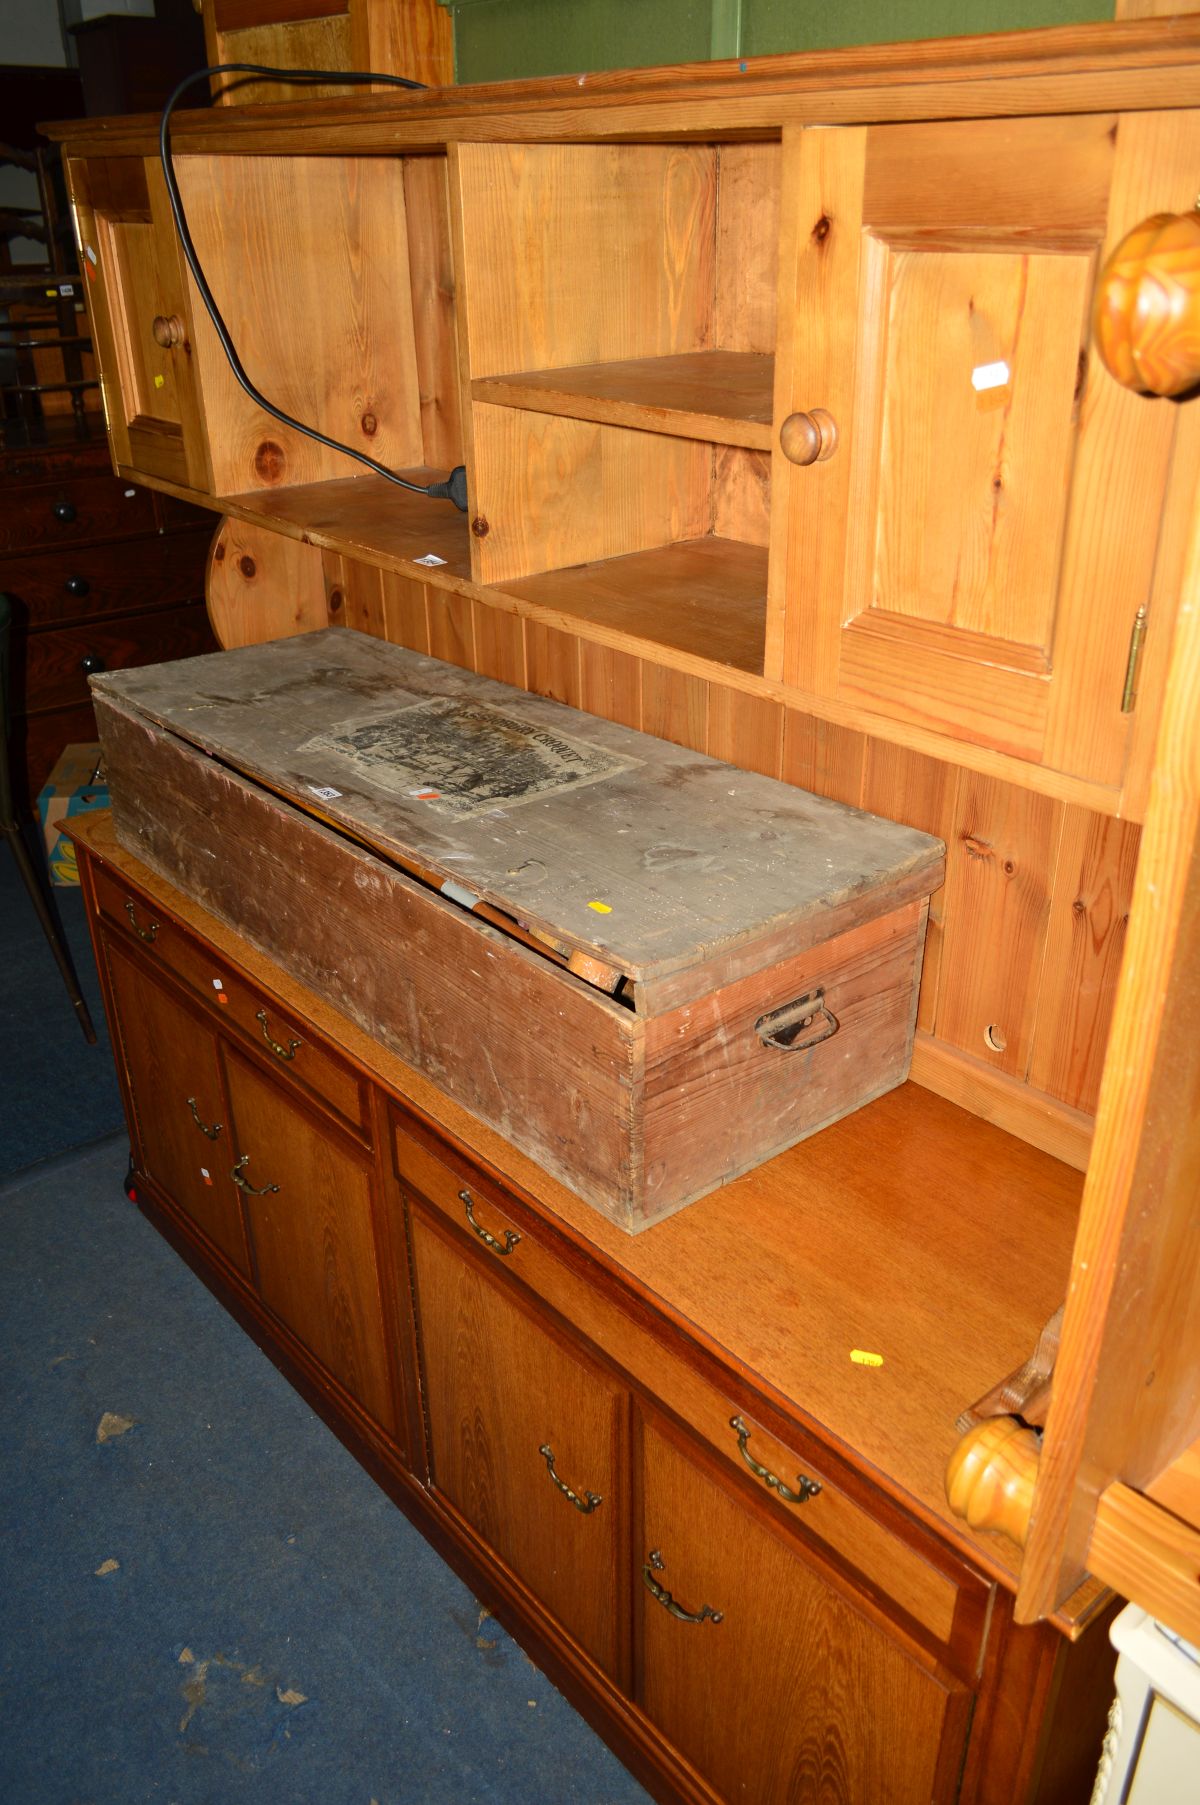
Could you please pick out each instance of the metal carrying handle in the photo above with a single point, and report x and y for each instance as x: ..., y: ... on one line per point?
x: 664, y: 1598
x: 280, y: 1052
x: 147, y: 933
x: 808, y: 1487
x: 212, y: 1132
x: 244, y: 1184
x: 511, y: 1237
x: 805, y: 1023
x: 588, y: 1503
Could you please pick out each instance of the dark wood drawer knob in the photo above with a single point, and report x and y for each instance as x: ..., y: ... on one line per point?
x: 808, y: 438
x: 64, y: 512
x: 77, y: 586
x: 91, y: 664
x: 168, y: 330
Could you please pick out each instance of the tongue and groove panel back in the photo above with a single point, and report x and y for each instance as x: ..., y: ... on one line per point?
x: 647, y: 969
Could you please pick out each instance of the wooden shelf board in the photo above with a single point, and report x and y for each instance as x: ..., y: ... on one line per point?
x: 365, y: 516
x: 705, y: 596
x: 910, y: 1229
x: 725, y: 397
x: 1131, y: 64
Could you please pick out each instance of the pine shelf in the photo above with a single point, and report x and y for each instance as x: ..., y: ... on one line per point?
x: 719, y: 396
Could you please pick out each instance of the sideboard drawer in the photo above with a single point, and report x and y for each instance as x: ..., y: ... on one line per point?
x: 900, y: 1565
x: 58, y: 662
x: 79, y: 582
x: 72, y: 510
x: 293, y: 1047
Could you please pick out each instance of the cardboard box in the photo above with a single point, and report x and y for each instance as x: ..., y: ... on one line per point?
x: 76, y: 786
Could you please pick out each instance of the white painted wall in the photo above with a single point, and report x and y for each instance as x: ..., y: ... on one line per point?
x: 31, y: 32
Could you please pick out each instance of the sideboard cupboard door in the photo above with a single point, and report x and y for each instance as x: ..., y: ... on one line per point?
x: 843, y: 1710
x: 309, y: 1197
x: 527, y: 1440
x: 141, y: 318
x: 968, y: 549
x: 182, y: 1137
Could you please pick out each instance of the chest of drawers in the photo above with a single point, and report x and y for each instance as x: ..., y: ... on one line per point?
x: 102, y: 574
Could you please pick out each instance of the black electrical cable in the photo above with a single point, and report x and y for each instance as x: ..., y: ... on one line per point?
x: 455, y: 486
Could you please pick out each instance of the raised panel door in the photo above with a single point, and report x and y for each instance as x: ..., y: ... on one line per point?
x: 141, y: 317
x: 310, y: 1202
x: 526, y: 1440
x: 834, y: 1706
x: 968, y: 552
x: 183, y: 1137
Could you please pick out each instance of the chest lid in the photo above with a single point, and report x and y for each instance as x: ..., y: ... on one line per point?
x: 645, y: 856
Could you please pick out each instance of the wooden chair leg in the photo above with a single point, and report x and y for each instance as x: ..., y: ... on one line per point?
x: 25, y: 866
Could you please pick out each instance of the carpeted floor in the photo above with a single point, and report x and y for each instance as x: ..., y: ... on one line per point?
x: 55, y: 1090
x: 204, y: 1599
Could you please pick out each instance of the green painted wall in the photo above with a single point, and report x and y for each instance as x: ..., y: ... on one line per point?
x: 498, y: 39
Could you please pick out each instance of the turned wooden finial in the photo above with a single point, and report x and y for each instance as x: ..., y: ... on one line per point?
x: 1147, y: 315
x: 991, y: 1474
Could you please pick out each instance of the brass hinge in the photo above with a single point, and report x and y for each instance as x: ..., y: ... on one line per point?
x: 1136, y: 636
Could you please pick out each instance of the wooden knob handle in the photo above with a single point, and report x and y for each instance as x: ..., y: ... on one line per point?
x: 1147, y: 314
x: 808, y: 438
x: 991, y: 1474
x: 168, y: 331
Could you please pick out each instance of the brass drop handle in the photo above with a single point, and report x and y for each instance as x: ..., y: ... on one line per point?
x: 212, y: 1132
x: 991, y: 1475
x: 511, y: 1237
x: 243, y: 1184
x: 590, y: 1500
x: 148, y: 932
x: 808, y: 1487
x: 808, y: 438
x: 280, y: 1052
x: 168, y: 331
x: 663, y: 1597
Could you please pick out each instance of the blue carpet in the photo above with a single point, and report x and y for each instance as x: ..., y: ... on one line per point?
x: 57, y: 1091
x: 214, y: 1604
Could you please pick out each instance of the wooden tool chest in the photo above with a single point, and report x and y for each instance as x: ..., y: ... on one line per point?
x: 646, y: 968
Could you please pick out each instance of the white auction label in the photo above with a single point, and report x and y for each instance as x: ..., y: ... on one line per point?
x: 989, y: 376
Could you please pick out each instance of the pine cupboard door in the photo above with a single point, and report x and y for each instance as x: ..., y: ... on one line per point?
x: 310, y: 1201
x: 527, y: 1439
x: 138, y: 300
x: 180, y: 1121
x: 764, y: 1673
x: 969, y: 547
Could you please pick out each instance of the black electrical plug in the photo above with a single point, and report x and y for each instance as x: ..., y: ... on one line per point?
x: 453, y: 489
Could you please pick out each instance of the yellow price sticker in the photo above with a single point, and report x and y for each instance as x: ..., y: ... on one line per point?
x: 864, y: 1359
